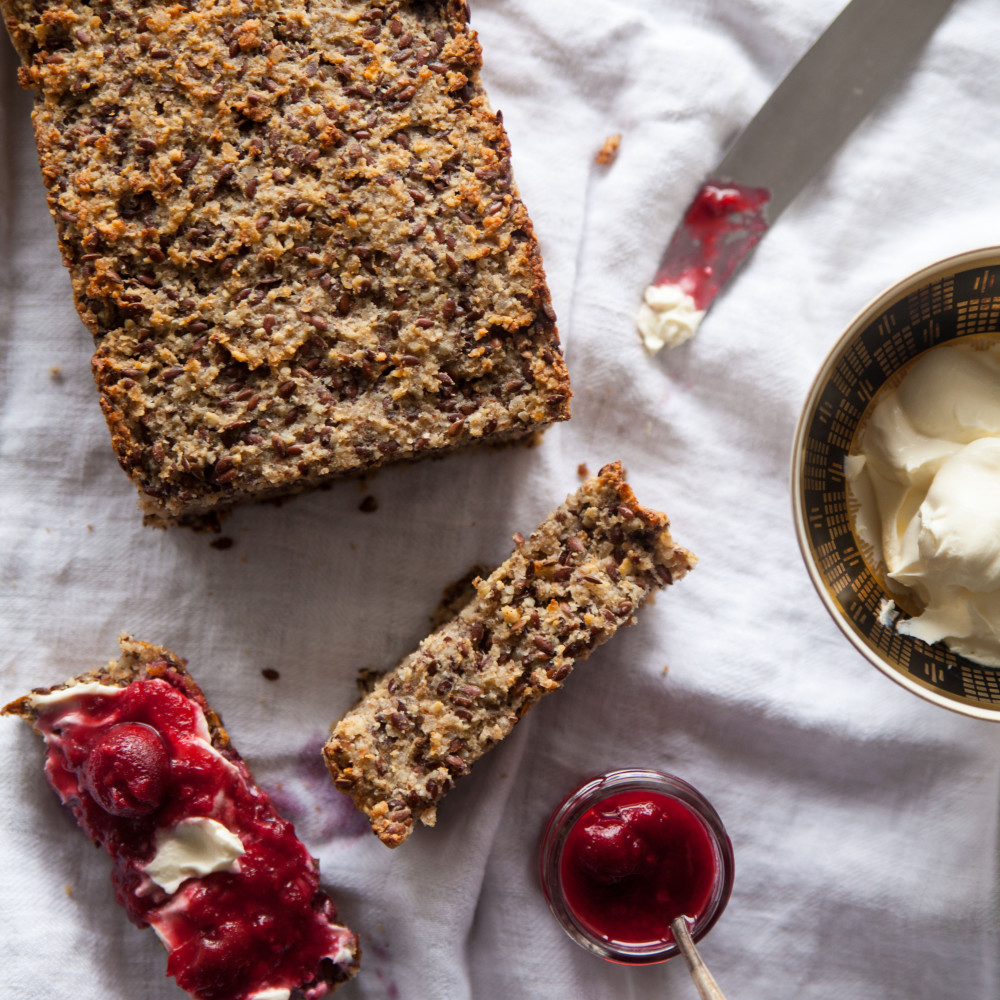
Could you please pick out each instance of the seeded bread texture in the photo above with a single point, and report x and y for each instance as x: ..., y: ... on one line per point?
x: 581, y: 576
x: 293, y: 231
x: 142, y: 660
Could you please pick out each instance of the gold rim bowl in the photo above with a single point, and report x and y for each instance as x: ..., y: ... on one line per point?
x: 955, y: 297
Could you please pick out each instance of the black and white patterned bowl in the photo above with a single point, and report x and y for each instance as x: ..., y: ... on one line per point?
x: 956, y: 297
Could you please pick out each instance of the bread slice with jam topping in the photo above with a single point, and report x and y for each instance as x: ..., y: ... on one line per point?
x: 198, y: 851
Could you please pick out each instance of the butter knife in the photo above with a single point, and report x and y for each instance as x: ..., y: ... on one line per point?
x: 818, y: 104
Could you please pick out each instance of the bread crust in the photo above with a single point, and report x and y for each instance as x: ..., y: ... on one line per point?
x: 138, y: 659
x: 294, y: 234
x: 583, y: 573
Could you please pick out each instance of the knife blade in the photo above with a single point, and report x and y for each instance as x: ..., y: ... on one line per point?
x: 828, y: 92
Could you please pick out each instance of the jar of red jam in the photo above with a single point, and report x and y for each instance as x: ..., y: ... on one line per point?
x: 627, y: 853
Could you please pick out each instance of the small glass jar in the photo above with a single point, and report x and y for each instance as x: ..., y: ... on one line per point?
x: 622, y: 911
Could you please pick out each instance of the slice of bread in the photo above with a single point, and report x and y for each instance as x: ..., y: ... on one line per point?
x: 294, y: 234
x: 253, y: 922
x: 581, y: 576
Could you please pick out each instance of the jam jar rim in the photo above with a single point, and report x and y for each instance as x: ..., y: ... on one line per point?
x: 586, y: 796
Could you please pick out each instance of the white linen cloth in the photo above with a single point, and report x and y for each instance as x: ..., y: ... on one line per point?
x: 864, y: 820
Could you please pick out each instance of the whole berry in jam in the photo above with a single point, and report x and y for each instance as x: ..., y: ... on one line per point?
x: 128, y: 770
x: 616, y: 843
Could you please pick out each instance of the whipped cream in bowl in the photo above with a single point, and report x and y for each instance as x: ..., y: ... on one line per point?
x: 924, y: 475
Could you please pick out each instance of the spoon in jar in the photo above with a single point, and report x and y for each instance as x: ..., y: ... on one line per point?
x: 708, y: 988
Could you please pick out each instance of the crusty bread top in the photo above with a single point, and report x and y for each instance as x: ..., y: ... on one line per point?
x: 138, y: 659
x: 294, y: 232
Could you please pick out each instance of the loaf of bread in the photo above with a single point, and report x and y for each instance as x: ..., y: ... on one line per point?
x: 293, y: 232
x: 198, y: 851
x: 581, y: 576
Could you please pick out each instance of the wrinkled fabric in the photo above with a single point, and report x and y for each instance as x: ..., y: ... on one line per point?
x: 864, y: 820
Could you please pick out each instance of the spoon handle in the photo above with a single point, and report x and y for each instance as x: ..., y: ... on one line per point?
x: 708, y: 988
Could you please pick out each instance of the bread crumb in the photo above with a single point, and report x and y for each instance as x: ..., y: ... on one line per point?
x: 270, y: 674
x: 223, y: 543
x: 582, y: 471
x: 609, y: 151
x: 369, y: 505
x: 69, y: 890
x: 456, y: 595
x: 366, y: 679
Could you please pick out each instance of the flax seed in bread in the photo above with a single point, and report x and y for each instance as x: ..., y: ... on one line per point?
x: 581, y: 576
x: 293, y: 232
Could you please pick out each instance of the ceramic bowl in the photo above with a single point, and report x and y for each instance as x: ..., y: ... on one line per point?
x: 956, y: 297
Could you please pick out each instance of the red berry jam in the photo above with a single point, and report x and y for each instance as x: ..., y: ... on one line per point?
x: 633, y: 863
x: 723, y: 223
x: 627, y: 854
x: 136, y: 765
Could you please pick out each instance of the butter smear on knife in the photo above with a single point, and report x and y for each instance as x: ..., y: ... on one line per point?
x: 667, y: 317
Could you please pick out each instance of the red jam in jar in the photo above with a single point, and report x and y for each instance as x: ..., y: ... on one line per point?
x: 628, y: 853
